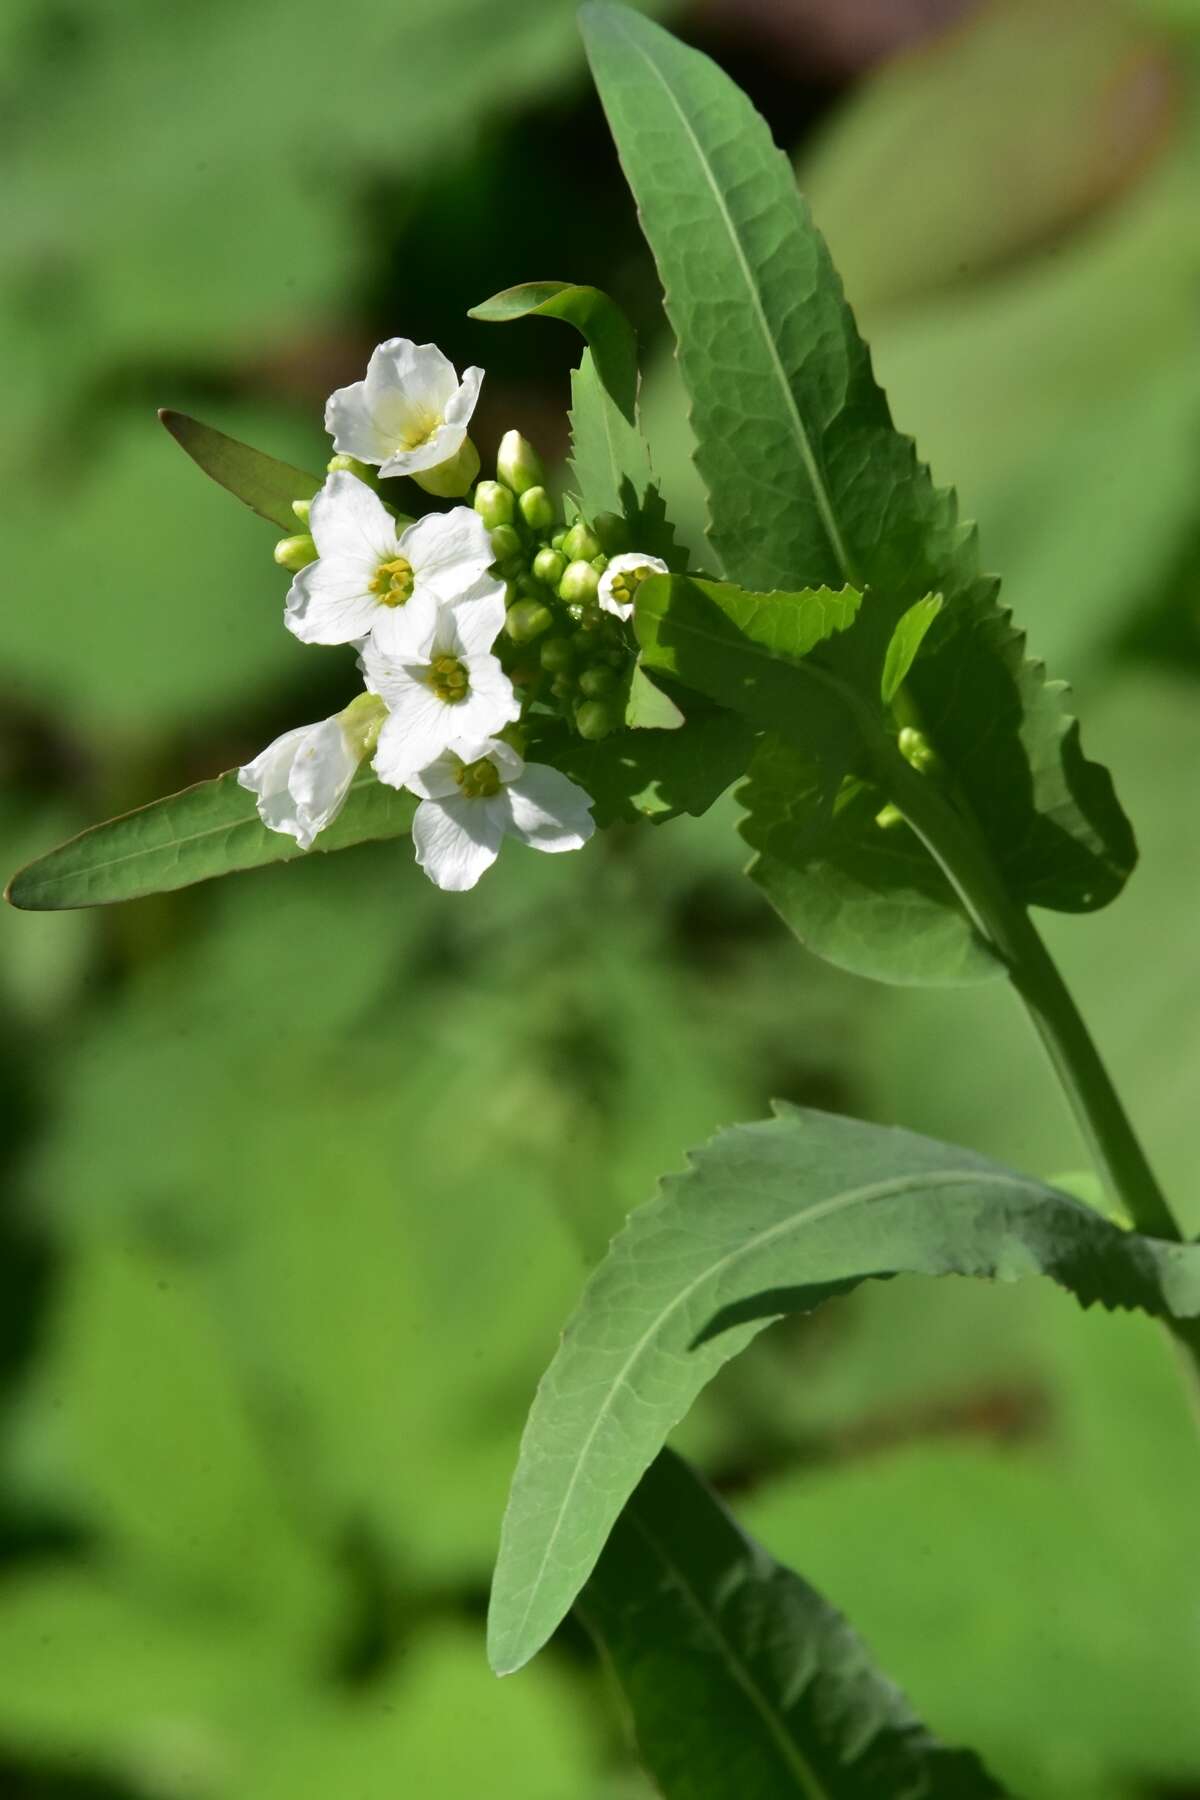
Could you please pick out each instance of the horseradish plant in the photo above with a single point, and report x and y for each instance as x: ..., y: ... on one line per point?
x: 911, y: 786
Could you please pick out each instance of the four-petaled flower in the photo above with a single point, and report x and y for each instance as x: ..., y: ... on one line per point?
x: 476, y: 794
x: 446, y: 687
x: 622, y: 579
x: 301, y: 780
x: 410, y: 413
x: 372, y: 579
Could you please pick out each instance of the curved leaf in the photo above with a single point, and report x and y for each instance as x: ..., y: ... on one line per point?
x: 207, y: 830
x: 810, y: 484
x: 741, y: 1679
x: 608, y: 452
x: 770, y: 1218
x: 266, y: 486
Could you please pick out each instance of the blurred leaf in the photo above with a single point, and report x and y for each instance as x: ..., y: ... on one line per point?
x: 771, y: 1218
x: 267, y: 487
x: 207, y: 830
x: 741, y: 1678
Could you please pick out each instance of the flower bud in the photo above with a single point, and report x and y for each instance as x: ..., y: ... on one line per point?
x: 302, y: 508
x: 593, y: 719
x: 537, y: 509
x: 549, y: 566
x: 580, y: 544
x: 351, y: 466
x: 558, y: 540
x: 579, y: 582
x: 494, y: 504
x: 556, y: 655
x: 527, y: 620
x: 612, y: 532
x: 518, y: 464
x: 563, y: 685
x: 916, y: 749
x: 597, y: 681
x: 450, y: 480
x: 295, y: 553
x: 506, y: 543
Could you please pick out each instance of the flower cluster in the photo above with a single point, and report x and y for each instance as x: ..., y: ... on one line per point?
x: 464, y: 622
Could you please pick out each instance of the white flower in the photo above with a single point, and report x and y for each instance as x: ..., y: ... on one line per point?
x: 302, y: 779
x: 410, y: 413
x: 445, y: 688
x: 475, y: 795
x: 371, y: 578
x: 622, y: 578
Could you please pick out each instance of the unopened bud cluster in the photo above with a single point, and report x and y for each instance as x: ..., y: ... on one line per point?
x: 559, y: 645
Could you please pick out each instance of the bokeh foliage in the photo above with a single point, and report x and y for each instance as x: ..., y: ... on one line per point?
x: 306, y: 1169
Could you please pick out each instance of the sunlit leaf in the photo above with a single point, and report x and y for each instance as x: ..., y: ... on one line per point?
x: 266, y: 486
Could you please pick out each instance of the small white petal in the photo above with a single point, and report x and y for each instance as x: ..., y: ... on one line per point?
x: 347, y: 519
x: 301, y: 780
x: 618, y: 565
x: 415, y: 733
x: 491, y: 701
x: 449, y: 551
x: 548, y: 810
x: 329, y: 603
x: 404, y: 631
x: 477, y: 620
x: 456, y: 840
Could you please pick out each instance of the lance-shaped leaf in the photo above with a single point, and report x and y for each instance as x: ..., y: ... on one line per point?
x: 207, y: 830
x: 810, y: 484
x: 609, y: 456
x: 741, y: 1679
x: 265, y: 485
x: 770, y: 1218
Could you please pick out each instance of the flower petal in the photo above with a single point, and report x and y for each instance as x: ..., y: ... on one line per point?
x: 328, y: 603
x: 456, y: 840
x: 548, y: 810
x: 404, y: 631
x: 416, y: 733
x: 349, y: 521
x: 491, y: 701
x: 461, y: 405
x: 301, y: 780
x: 476, y: 620
x: 449, y: 551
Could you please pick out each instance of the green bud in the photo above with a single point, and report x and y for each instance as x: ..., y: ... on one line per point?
x: 537, y: 509
x: 612, y: 532
x: 451, y: 479
x: 558, y: 540
x: 563, y: 686
x: 352, y: 466
x: 506, y: 544
x: 518, y: 464
x: 579, y: 582
x: 302, y: 508
x: 888, y: 817
x: 593, y: 719
x: 556, y: 655
x: 916, y: 749
x: 600, y: 563
x: 295, y: 553
x: 597, y: 681
x: 580, y: 544
x: 527, y: 620
x: 494, y: 504
x: 548, y: 566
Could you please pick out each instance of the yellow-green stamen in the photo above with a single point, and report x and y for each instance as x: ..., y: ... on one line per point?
x: 393, y: 582
x: 448, y: 678
x: 626, y: 584
x: 479, y: 780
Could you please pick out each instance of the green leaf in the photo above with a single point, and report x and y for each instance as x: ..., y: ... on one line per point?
x: 906, y: 640
x: 647, y: 708
x: 267, y: 487
x: 808, y: 481
x: 741, y: 1679
x: 653, y: 774
x: 771, y: 1218
x: 608, y: 452
x: 210, y: 829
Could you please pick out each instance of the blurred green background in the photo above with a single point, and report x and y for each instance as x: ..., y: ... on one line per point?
x: 304, y: 1170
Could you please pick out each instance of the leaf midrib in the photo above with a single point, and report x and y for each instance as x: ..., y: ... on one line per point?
x: 808, y: 456
x: 820, y: 1209
x: 810, y: 1783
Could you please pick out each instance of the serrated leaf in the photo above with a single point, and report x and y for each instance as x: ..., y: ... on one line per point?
x: 266, y: 486
x: 770, y: 1218
x: 906, y: 640
x: 808, y: 481
x: 740, y: 1677
x: 207, y: 830
x: 609, y: 456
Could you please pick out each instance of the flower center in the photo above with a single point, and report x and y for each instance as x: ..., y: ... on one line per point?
x: 479, y: 780
x: 420, y: 428
x: 449, y: 679
x: 626, y: 584
x: 392, y: 582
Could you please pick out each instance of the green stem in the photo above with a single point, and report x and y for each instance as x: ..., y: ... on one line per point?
x: 953, y: 841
